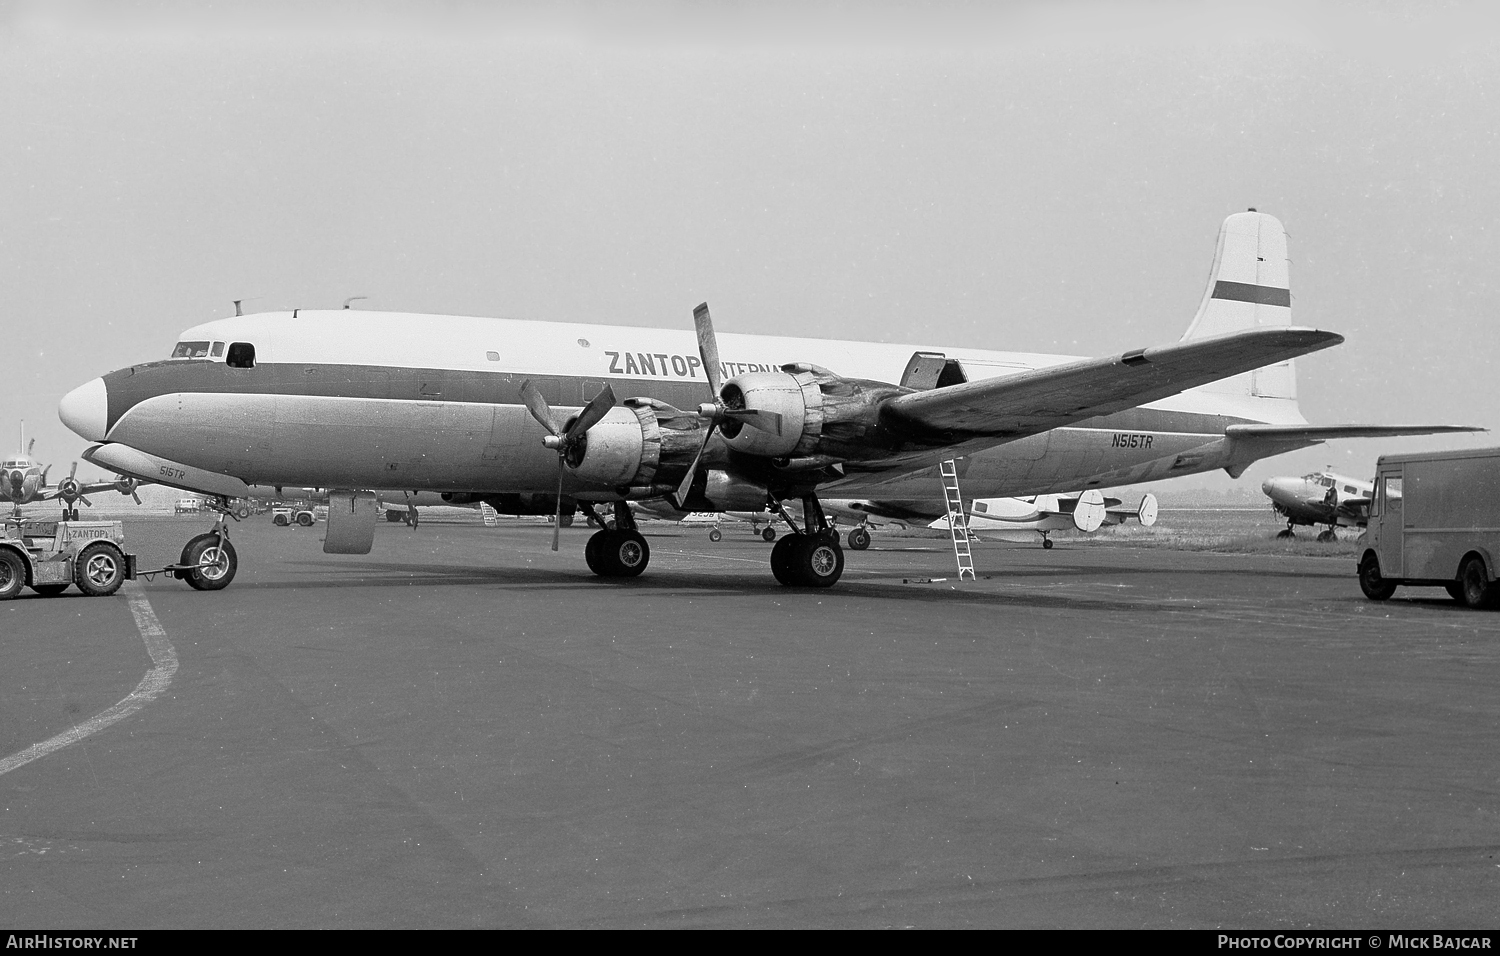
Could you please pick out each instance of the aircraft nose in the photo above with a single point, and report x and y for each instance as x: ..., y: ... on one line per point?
x: 86, y: 410
x: 1267, y: 485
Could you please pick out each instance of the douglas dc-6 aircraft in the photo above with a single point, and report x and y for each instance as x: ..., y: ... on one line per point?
x: 523, y: 414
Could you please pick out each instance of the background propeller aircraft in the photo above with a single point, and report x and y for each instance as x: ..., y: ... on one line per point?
x: 1320, y: 498
x: 23, y: 480
x: 734, y: 424
x: 1044, y: 514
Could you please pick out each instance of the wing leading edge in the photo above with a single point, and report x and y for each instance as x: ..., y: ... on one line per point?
x: 1035, y: 401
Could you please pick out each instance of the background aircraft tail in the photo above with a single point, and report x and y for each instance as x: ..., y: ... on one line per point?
x: 1248, y: 288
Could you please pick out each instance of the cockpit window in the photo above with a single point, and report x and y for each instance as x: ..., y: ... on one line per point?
x: 241, y: 355
x: 191, y: 350
x: 1326, y: 482
x: 217, y: 350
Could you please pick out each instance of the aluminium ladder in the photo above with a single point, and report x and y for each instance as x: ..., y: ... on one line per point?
x: 958, y: 522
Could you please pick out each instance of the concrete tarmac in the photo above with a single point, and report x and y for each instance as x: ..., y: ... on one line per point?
x: 465, y: 729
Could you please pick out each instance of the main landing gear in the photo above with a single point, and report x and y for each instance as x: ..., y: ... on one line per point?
x: 618, y: 552
x: 808, y: 557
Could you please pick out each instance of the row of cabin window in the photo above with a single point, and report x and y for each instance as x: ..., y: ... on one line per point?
x: 240, y: 355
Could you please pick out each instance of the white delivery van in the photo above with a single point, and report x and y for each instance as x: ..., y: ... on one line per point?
x: 1435, y: 521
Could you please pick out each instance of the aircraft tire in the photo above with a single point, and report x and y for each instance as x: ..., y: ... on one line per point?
x: 859, y: 539
x: 817, y: 561
x: 12, y: 574
x: 1376, y: 588
x: 1479, y: 593
x: 769, y: 534
x: 1326, y: 536
x: 392, y: 516
x: 781, y: 559
x: 623, y: 554
x: 567, y: 521
x: 1046, y: 544
x: 49, y: 590
x: 715, y: 535
x: 591, y: 552
x: 209, y: 568
x: 1285, y: 533
x: 99, y: 570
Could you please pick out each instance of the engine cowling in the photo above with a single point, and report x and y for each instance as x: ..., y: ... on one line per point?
x: 822, y: 414
x: 126, y: 486
x: 640, y: 443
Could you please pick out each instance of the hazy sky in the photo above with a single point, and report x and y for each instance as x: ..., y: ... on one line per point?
x: 1045, y: 178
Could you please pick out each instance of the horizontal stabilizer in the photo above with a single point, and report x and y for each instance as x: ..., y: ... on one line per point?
x: 1031, y: 402
x: 1316, y: 433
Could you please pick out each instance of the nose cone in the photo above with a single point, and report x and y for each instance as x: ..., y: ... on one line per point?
x: 86, y: 410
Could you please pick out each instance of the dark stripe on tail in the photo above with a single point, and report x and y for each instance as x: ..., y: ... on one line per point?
x: 1259, y: 294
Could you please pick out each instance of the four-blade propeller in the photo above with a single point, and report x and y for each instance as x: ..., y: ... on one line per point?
x: 569, y: 440
x: 717, y: 411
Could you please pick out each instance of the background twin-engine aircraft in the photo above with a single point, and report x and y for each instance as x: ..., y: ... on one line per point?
x: 24, y: 480
x: 520, y: 413
x: 1320, y: 498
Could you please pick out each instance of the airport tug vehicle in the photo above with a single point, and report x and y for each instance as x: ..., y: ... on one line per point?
x: 50, y: 556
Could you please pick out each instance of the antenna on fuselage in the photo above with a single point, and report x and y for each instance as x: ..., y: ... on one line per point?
x: 354, y: 298
x: 238, y: 302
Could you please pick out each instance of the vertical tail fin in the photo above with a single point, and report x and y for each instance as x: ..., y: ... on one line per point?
x: 1249, y: 287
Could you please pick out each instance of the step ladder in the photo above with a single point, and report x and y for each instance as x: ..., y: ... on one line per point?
x: 958, y: 520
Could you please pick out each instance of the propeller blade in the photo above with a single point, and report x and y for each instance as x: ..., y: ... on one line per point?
x: 74, y: 470
x: 596, y: 409
x: 756, y: 418
x: 708, y: 347
x: 539, y: 409
x: 557, y: 523
x: 687, y: 482
x: 85, y: 501
x: 136, y: 497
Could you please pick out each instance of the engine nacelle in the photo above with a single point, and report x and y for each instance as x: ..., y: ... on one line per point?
x: 639, y: 443
x: 822, y: 414
x: 126, y: 486
x: 794, y: 396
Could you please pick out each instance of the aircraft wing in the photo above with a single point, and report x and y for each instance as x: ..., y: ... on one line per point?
x: 1317, y: 433
x: 1031, y: 402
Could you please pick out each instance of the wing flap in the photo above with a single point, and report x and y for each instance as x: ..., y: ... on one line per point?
x: 1032, y: 402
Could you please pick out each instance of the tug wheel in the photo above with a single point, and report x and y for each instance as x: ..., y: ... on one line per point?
x: 99, y: 570
x: 12, y: 575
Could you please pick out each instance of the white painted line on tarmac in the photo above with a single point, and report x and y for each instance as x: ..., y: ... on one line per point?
x: 157, y: 679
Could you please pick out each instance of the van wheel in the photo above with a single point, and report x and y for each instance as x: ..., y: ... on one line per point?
x: 12, y: 574
x: 1478, y: 592
x: 100, y: 569
x: 280, y: 521
x: 1376, y: 588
